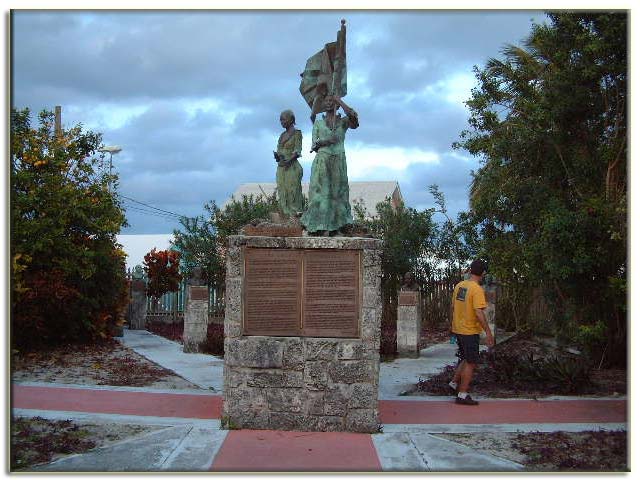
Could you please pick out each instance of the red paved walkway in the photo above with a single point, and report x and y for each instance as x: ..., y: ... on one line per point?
x: 114, y: 401
x: 269, y: 451
x: 504, y: 411
x: 391, y: 411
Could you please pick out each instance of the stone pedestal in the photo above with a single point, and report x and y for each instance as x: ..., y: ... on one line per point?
x: 196, y: 317
x: 409, y: 324
x: 301, y: 382
x: 138, y: 312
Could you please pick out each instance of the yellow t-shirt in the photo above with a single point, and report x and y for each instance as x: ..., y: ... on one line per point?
x: 467, y: 296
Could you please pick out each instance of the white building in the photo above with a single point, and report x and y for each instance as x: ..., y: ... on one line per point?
x: 369, y: 194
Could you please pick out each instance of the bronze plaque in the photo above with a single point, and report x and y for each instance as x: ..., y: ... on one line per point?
x: 272, y: 303
x: 331, y: 296
x: 408, y: 298
x: 198, y: 293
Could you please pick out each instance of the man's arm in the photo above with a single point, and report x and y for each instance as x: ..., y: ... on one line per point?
x: 483, y: 321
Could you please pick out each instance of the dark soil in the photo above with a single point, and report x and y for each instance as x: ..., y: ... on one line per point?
x: 577, y: 452
x: 524, y: 366
x: 36, y: 440
x: 432, y: 335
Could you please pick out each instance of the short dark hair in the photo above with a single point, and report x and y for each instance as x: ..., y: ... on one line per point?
x: 478, y: 267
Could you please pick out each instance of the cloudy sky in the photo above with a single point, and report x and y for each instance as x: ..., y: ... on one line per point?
x: 193, y: 98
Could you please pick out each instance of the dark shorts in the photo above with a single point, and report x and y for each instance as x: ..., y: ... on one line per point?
x: 469, y: 347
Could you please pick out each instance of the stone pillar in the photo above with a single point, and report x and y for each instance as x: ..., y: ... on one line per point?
x: 409, y: 324
x: 297, y: 382
x: 196, y: 316
x: 138, y: 315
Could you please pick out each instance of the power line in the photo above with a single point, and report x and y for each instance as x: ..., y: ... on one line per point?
x: 149, y: 212
x: 152, y: 207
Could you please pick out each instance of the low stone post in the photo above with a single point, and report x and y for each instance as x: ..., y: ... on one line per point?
x: 196, y: 313
x: 409, y: 323
x: 138, y: 315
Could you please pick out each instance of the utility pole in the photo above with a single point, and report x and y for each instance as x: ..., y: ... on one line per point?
x: 58, y: 124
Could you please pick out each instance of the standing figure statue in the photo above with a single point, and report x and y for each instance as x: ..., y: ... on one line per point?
x: 329, y: 209
x: 323, y: 84
x: 289, y: 173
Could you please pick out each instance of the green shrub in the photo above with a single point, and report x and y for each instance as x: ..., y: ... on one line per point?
x: 68, y: 273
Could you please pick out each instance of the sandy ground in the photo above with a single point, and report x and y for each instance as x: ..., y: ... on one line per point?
x: 110, y: 364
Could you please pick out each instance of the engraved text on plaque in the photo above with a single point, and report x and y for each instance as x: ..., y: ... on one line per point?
x: 199, y: 293
x: 272, y: 304
x: 408, y: 298
x: 313, y: 293
x: 331, y: 293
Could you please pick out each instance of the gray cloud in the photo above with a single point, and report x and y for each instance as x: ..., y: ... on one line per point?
x: 242, y: 69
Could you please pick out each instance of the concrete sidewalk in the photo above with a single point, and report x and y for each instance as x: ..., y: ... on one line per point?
x: 206, y: 370
x: 202, y: 370
x: 192, y: 439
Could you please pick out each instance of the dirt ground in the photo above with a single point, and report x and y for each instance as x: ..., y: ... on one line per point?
x: 493, y: 378
x: 553, y: 452
x: 36, y: 440
x: 107, y: 364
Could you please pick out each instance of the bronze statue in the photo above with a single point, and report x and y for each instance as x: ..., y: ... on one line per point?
x: 324, y: 82
x: 289, y: 172
x: 325, y: 73
x: 409, y: 283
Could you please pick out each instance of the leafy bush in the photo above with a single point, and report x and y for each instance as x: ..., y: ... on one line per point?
x: 161, y: 268
x: 67, y: 271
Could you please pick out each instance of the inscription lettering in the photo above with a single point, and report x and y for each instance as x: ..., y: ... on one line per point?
x: 199, y: 293
x: 408, y: 298
x: 275, y: 303
x: 331, y: 293
x: 271, y: 299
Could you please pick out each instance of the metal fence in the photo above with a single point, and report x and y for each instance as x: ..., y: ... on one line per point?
x: 170, y: 307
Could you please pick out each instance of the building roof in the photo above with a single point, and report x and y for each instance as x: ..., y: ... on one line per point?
x: 367, y: 193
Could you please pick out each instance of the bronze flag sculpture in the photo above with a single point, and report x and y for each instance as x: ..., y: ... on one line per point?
x: 325, y: 73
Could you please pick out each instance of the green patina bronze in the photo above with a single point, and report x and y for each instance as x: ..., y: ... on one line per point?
x: 329, y: 209
x: 324, y: 82
x: 289, y: 173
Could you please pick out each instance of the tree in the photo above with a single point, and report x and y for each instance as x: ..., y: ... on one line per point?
x: 549, y: 122
x: 162, y: 269
x: 198, y: 244
x: 455, y: 243
x: 203, y: 241
x: 67, y: 271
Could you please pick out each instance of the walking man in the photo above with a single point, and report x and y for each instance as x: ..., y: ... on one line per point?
x: 468, y: 320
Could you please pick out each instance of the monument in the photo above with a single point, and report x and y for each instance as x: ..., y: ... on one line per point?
x: 409, y: 318
x: 138, y: 306
x: 302, y: 313
x: 196, y: 313
x: 324, y: 83
x: 289, y: 172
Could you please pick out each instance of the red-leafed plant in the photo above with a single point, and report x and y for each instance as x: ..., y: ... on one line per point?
x: 162, y: 271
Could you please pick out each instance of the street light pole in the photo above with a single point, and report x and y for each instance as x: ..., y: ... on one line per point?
x: 110, y: 150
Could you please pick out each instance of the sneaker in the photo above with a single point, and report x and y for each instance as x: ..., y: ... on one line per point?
x: 466, y: 401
